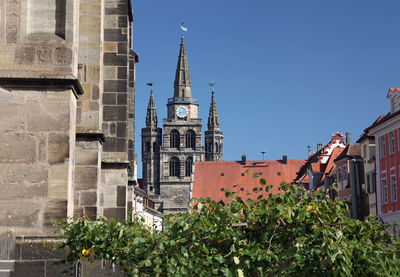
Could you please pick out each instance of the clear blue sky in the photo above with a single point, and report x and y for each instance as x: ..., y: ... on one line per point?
x: 289, y: 73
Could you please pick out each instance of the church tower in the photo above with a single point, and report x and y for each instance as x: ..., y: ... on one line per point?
x: 151, y: 142
x: 182, y: 141
x: 213, y: 135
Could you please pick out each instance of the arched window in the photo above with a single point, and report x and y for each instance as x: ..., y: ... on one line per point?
x: 175, y: 139
x: 190, y: 139
x: 216, y: 148
x: 174, y: 167
x: 188, y: 167
x: 210, y: 148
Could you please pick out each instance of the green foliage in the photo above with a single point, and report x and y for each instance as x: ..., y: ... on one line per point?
x: 294, y: 233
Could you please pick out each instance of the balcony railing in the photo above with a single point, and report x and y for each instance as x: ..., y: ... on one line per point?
x: 182, y: 100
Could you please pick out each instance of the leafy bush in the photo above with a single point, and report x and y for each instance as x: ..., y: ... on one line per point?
x: 293, y: 233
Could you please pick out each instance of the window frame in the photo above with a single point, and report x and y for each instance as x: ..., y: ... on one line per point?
x: 384, y: 191
x: 393, y: 189
x: 174, y: 167
x: 382, y: 146
x: 392, y: 145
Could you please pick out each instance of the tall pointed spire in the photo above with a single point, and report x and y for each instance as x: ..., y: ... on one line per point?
x: 213, y: 119
x: 182, y: 85
x: 151, y: 117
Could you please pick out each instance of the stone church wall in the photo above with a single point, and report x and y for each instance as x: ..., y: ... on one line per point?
x: 66, y: 145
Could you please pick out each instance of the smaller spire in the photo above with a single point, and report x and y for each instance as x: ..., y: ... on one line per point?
x: 213, y: 119
x: 151, y: 117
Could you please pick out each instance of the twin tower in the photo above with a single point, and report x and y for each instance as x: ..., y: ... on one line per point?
x: 168, y: 157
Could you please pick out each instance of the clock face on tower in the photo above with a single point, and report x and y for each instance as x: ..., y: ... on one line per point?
x: 181, y: 112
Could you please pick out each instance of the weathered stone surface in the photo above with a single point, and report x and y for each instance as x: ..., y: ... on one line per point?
x: 25, y: 55
x: 115, y: 85
x: 109, y: 98
x: 84, y: 157
x: 121, y: 129
x: 114, y: 145
x: 25, y: 214
x: 122, y: 22
x: 114, y: 113
x: 54, y: 209
x: 58, y: 148
x: 17, y: 148
x: 58, y: 181
x: 86, y: 178
x: 35, y: 269
x: 112, y: 59
x: 122, y: 99
x: 122, y: 48
x: 117, y: 213
x: 21, y: 174
x: 95, y: 92
x: 63, y: 55
x: 44, y: 54
x: 48, y: 115
x: 88, y: 198
x: 122, y: 72
x: 91, y: 212
x: 110, y: 196
x: 121, y: 196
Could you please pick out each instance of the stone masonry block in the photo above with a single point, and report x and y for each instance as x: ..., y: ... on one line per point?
x: 109, y: 98
x: 110, y: 196
x: 55, y: 209
x: 86, y: 178
x: 17, y: 148
x: 35, y: 269
x: 112, y: 59
x: 19, y: 213
x: 117, y: 213
x: 122, y: 21
x: 44, y: 54
x: 115, y: 145
x: 121, y: 129
x: 122, y: 99
x: 115, y: 86
x: 122, y: 72
x: 84, y: 157
x: 58, y: 148
x: 121, y: 196
x: 95, y: 92
x: 25, y: 55
x: 88, y: 198
x: 114, y: 113
x: 63, y: 55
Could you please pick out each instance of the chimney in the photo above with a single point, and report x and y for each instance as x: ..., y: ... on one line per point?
x: 319, y: 146
x: 243, y: 162
x: 348, y: 138
x: 284, y: 159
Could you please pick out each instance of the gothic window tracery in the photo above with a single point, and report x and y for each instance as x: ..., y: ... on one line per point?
x: 175, y: 139
x: 190, y: 139
x: 188, y: 167
x: 174, y: 167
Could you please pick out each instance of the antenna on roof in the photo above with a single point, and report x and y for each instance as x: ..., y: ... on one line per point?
x: 309, y: 149
x: 263, y: 153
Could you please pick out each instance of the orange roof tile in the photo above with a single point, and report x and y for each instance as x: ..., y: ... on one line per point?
x: 212, y: 178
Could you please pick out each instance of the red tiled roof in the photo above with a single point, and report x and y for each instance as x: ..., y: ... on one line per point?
x: 331, y: 162
x: 212, y: 178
